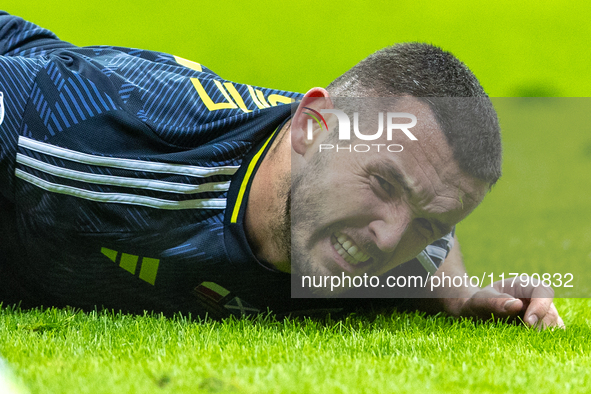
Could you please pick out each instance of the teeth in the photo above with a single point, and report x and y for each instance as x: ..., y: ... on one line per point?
x: 348, y: 250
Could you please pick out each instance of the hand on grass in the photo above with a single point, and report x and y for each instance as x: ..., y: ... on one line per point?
x: 509, y: 298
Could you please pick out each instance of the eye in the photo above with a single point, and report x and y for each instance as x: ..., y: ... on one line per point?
x: 385, y: 185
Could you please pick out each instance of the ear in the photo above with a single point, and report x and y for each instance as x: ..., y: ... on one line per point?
x: 314, y: 100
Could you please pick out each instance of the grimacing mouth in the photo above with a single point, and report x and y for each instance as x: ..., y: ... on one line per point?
x: 348, y: 249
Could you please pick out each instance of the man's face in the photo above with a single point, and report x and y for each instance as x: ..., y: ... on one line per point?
x: 369, y: 212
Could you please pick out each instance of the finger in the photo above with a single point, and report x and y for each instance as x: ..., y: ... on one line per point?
x: 561, y: 323
x: 537, y: 311
x: 552, y: 319
x: 485, y: 308
x: 490, y: 302
x: 536, y: 297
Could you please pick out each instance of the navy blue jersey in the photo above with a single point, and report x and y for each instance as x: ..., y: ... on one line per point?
x: 124, y: 177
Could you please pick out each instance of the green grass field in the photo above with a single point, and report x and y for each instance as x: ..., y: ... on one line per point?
x: 64, y: 351
x: 535, y: 220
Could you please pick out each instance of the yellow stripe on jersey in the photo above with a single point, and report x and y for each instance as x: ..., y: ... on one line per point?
x: 275, y: 99
x: 149, y: 270
x: 208, y: 101
x: 246, y: 179
x: 129, y: 262
x: 261, y: 97
x: 188, y: 63
x: 236, y: 96
x: 254, y: 98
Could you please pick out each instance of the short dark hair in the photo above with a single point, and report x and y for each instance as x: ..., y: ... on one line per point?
x: 468, y: 121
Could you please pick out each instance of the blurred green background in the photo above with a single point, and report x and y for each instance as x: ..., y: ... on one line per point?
x: 529, y: 48
x: 537, y: 219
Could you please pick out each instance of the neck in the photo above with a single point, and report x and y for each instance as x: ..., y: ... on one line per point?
x: 265, y: 224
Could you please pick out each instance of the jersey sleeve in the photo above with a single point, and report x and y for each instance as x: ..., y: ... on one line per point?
x: 22, y: 45
x: 21, y: 38
x: 433, y: 255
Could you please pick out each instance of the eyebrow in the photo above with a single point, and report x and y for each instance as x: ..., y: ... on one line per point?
x: 392, y: 173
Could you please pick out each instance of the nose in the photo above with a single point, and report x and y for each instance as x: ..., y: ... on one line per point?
x: 388, y: 231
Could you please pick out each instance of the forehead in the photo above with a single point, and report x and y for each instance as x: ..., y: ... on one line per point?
x: 425, y: 166
x: 429, y: 157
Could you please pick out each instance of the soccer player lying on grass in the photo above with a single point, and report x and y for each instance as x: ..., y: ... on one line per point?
x: 138, y: 180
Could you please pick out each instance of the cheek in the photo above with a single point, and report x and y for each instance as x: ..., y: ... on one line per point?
x: 409, y: 247
x: 416, y: 245
x: 353, y: 190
